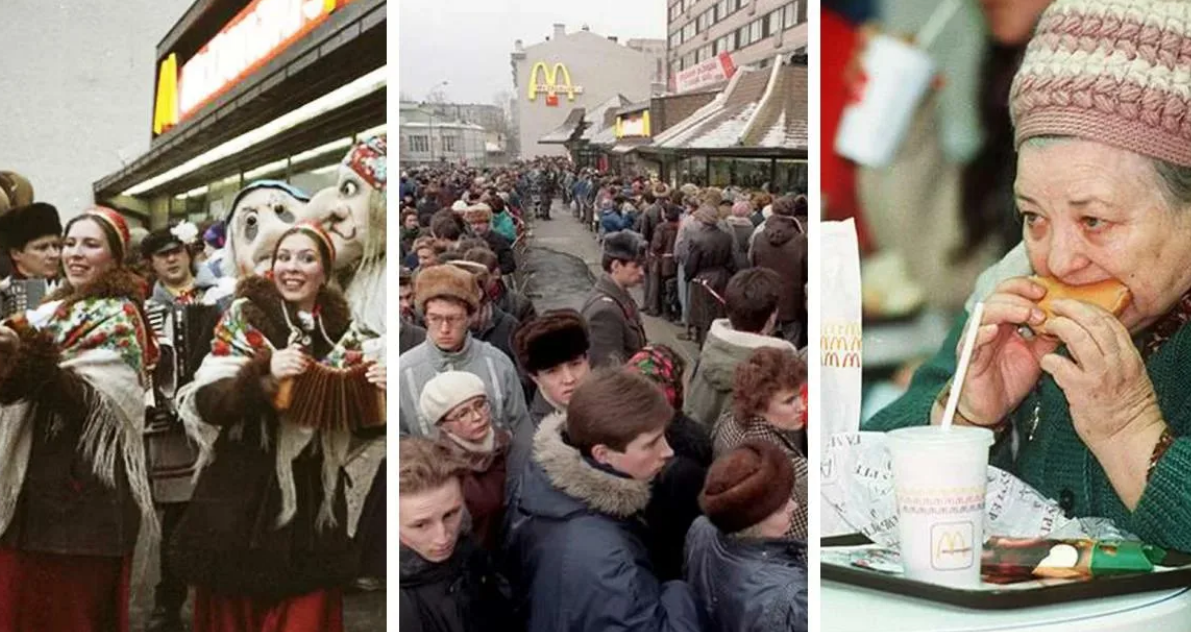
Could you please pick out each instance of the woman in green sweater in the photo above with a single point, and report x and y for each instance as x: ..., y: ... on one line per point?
x: 1099, y: 416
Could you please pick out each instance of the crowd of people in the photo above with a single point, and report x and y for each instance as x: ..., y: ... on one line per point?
x: 147, y: 392
x: 561, y: 471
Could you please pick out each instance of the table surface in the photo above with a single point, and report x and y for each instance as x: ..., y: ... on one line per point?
x: 847, y: 608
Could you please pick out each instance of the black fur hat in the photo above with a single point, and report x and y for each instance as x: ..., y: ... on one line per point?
x: 555, y: 337
x: 23, y: 224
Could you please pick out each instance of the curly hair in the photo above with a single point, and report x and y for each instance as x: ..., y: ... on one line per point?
x: 766, y: 372
x: 426, y: 465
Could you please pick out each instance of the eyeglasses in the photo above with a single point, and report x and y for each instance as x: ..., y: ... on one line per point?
x: 476, y: 410
x: 436, y: 320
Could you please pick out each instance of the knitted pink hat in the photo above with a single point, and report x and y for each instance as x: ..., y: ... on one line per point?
x: 1111, y: 71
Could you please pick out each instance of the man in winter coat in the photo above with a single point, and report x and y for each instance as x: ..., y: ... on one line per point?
x: 752, y: 296
x: 576, y: 543
x: 782, y: 247
x: 617, y: 331
x: 480, y: 219
x: 746, y: 575
x: 448, y: 297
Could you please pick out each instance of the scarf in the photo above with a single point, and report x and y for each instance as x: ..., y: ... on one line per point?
x: 478, y: 455
x: 237, y: 342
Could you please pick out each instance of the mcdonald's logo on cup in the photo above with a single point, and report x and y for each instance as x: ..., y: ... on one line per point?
x: 951, y: 546
x: 551, y: 86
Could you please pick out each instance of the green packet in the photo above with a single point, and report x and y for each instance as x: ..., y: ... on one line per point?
x: 1008, y: 560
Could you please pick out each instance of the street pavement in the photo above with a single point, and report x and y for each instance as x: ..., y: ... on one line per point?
x: 562, y: 262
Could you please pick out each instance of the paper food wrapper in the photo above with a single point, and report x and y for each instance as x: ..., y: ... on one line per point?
x: 840, y: 348
x: 861, y: 493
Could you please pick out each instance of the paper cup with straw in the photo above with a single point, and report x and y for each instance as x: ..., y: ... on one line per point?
x: 939, y: 476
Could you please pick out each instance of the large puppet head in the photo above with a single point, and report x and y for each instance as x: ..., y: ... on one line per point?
x: 353, y: 211
x: 260, y: 213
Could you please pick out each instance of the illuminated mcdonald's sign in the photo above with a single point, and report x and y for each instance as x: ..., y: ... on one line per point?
x: 257, y: 34
x: 551, y: 86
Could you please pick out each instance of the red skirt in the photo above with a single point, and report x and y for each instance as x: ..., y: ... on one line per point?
x: 319, y: 611
x: 45, y: 592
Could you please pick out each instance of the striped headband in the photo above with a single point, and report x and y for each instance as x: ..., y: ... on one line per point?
x: 314, y: 231
x: 115, y: 221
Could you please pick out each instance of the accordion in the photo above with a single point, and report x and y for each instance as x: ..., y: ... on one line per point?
x: 184, y: 334
x: 326, y: 398
x: 19, y: 295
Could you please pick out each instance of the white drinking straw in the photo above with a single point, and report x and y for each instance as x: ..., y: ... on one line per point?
x: 935, y: 23
x: 965, y: 358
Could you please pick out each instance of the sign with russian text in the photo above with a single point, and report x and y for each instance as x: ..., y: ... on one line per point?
x: 255, y: 36
x: 713, y: 71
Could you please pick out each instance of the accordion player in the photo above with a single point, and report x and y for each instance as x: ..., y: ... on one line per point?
x: 20, y: 295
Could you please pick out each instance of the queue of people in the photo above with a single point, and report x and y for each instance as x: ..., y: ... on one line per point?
x: 571, y: 473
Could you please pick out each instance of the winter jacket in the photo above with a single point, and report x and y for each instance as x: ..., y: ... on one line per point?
x: 409, y: 336
x: 781, y: 247
x: 498, y: 332
x: 710, y: 249
x: 648, y: 221
x: 502, y: 247
x: 674, y: 502
x: 711, y: 384
x: 578, y: 558
x: 483, y: 485
x: 503, y: 224
x: 661, y: 248
x: 462, y: 594
x: 747, y: 585
x: 514, y: 303
x: 615, y: 327
x: 611, y: 221
x: 728, y: 434
x: 420, y: 364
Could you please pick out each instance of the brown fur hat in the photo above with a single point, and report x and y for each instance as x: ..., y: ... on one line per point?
x: 446, y: 281
x: 555, y: 337
x: 746, y: 486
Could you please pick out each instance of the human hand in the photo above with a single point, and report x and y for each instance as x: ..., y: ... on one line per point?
x: 288, y: 362
x: 1005, y: 365
x: 1110, y: 395
x: 376, y: 375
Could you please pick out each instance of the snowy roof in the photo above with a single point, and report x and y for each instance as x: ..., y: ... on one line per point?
x: 760, y: 108
x: 595, y: 120
x: 563, y: 133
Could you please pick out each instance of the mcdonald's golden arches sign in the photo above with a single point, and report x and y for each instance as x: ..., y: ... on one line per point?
x: 551, y: 80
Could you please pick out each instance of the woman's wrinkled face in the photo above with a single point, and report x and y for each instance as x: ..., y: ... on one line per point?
x: 86, y: 253
x: 785, y: 409
x: 1091, y: 212
x: 430, y: 521
x: 298, y: 270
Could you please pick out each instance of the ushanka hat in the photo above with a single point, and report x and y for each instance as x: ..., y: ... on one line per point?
x: 446, y: 281
x: 1109, y: 71
x: 746, y: 485
x: 551, y: 339
x: 23, y: 224
x: 368, y: 159
x: 624, y: 245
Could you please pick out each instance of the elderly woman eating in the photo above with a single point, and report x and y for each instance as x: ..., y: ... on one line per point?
x: 1090, y: 407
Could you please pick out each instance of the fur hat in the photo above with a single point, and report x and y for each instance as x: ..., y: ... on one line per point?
x: 707, y: 214
x: 446, y: 391
x: 23, y: 224
x: 746, y: 486
x: 478, y: 213
x: 446, y: 281
x: 547, y: 341
x: 624, y: 245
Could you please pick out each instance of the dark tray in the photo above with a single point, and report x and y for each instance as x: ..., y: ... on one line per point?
x: 999, y: 599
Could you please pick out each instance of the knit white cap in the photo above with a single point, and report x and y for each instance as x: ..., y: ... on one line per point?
x: 446, y: 391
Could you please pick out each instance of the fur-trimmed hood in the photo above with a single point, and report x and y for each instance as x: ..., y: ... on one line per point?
x: 266, y: 310
x: 577, y: 486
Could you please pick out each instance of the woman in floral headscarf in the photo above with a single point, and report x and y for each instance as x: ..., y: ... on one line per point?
x: 74, y: 494
x: 674, y: 504
x: 266, y: 539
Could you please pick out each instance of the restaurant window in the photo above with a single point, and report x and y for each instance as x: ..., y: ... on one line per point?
x: 692, y: 170
x: 751, y: 173
x: 791, y: 176
x: 419, y: 144
x: 720, y: 172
